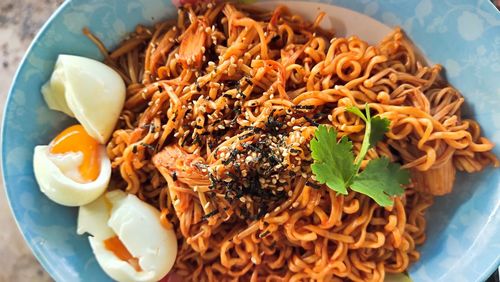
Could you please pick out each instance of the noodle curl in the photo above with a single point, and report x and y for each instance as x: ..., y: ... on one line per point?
x: 221, y: 106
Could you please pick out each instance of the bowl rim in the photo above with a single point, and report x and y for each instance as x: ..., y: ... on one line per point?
x: 44, y: 261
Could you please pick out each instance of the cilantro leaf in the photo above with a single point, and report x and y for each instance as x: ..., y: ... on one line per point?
x: 375, y: 129
x: 381, y: 179
x: 333, y: 161
x: 397, y: 277
x: 379, y: 127
x: 357, y: 112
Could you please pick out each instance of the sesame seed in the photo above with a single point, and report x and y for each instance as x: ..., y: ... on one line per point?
x: 290, y: 193
x: 206, y: 205
x: 177, y: 202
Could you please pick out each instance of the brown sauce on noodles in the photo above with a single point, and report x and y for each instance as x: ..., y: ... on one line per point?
x: 221, y: 106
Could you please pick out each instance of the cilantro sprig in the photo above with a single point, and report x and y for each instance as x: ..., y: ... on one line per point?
x: 335, y: 164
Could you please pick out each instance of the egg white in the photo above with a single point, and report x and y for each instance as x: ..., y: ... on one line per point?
x: 62, y: 188
x: 88, y: 90
x: 138, y: 227
x: 68, y: 163
x: 93, y: 217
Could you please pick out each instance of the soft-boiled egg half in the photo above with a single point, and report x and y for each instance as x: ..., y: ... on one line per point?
x: 73, y: 169
x: 88, y: 90
x: 117, y: 223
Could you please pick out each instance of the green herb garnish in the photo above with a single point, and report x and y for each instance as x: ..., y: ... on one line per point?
x: 335, y: 165
x: 397, y: 277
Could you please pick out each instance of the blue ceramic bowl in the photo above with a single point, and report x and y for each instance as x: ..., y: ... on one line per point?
x: 463, y: 229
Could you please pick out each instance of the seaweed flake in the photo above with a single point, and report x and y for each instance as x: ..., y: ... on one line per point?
x: 210, y: 214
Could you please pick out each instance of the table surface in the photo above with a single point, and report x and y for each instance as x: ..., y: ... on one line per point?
x: 19, y: 23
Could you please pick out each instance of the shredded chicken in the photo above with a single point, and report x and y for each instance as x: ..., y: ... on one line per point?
x: 193, y: 44
x: 185, y: 167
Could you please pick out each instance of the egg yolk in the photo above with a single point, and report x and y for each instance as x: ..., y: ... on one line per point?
x: 115, y: 245
x: 75, y: 139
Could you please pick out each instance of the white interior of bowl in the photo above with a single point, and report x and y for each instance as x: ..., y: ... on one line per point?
x: 342, y: 21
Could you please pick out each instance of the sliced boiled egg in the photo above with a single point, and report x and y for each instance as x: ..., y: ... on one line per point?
x: 73, y: 169
x: 88, y: 90
x: 128, y: 240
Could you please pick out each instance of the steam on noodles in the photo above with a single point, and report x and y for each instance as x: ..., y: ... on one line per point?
x: 221, y: 106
